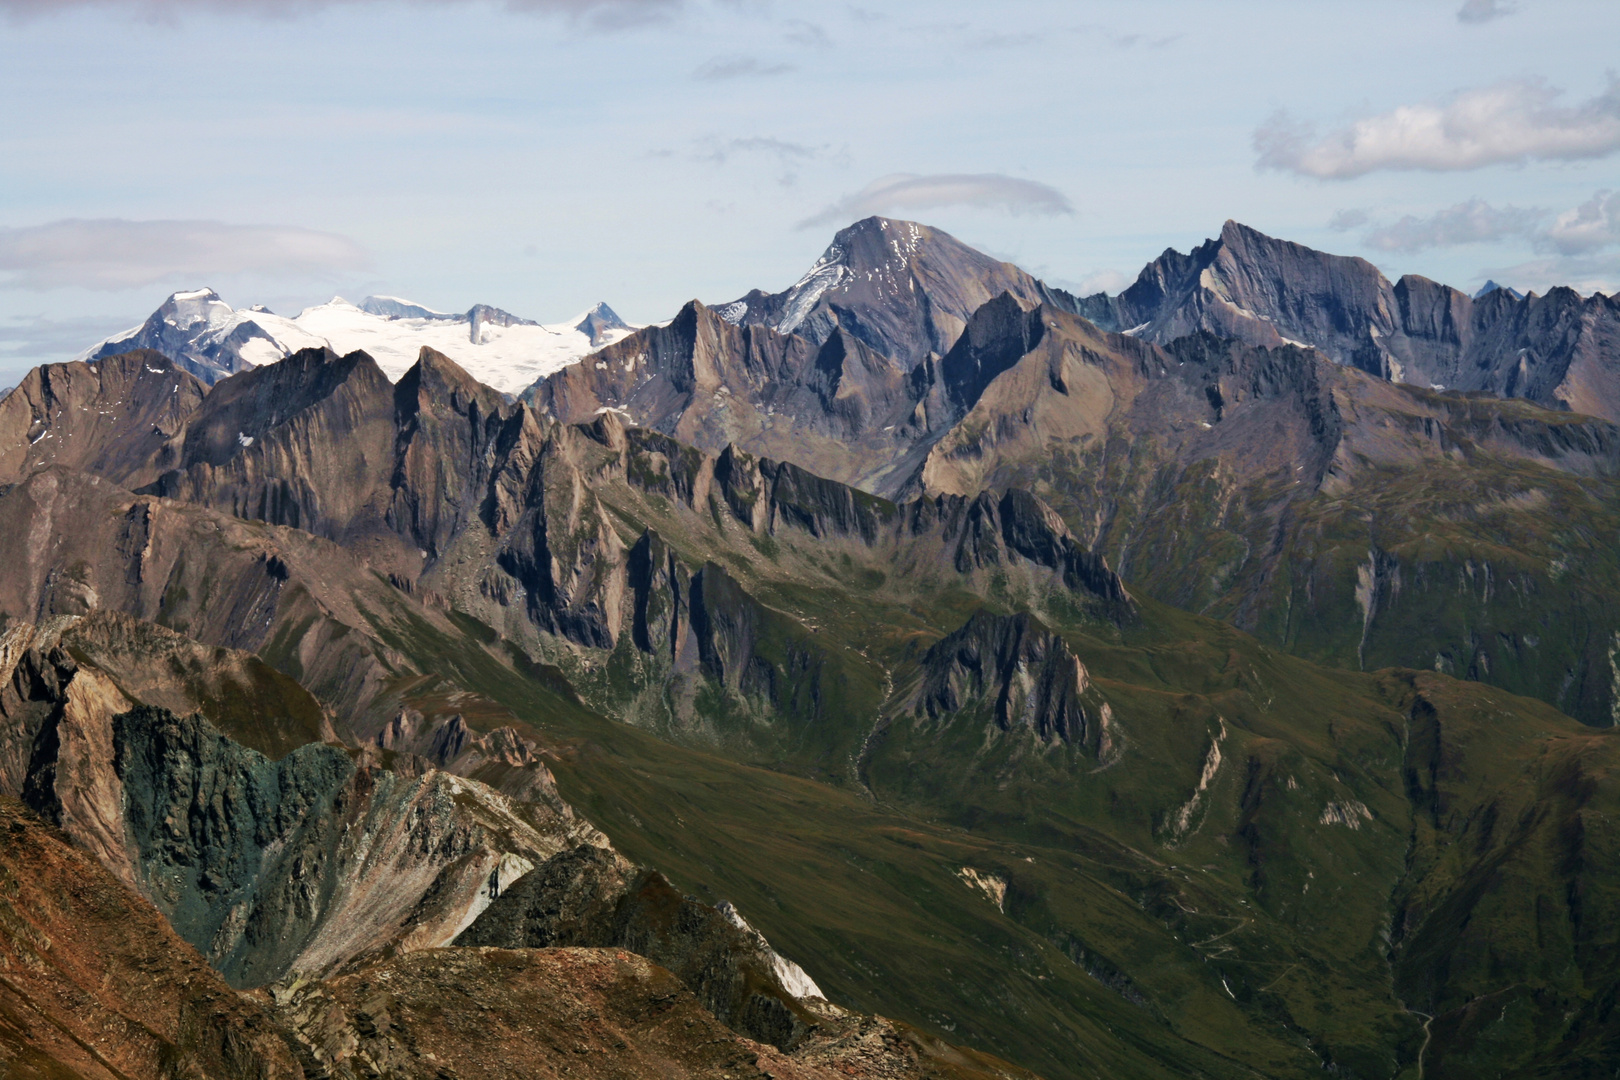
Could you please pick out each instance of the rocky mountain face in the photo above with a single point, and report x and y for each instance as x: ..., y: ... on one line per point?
x: 325, y: 861
x: 313, y: 668
x: 1557, y: 350
x: 1023, y: 676
x: 199, y: 332
x: 595, y: 1012
x: 297, y: 866
x: 108, y: 417
x: 838, y: 406
x: 903, y: 289
x: 1202, y: 469
x: 592, y: 897
x: 1299, y: 498
x: 100, y: 986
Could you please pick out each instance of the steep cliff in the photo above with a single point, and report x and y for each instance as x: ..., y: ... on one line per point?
x: 303, y: 865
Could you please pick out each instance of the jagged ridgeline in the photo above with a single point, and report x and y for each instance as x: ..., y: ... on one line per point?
x: 866, y: 630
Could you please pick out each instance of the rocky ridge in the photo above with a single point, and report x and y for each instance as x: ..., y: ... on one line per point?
x: 1557, y: 350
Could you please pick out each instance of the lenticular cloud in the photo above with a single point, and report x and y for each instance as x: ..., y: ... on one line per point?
x: 116, y: 254
x: 909, y: 192
x: 1509, y: 122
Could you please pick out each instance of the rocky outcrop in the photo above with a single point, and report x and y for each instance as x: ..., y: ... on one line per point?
x: 451, y: 436
x: 1013, y: 532
x: 1021, y: 677
x: 301, y: 865
x: 592, y: 897
x: 262, y: 444
x: 247, y: 699
x: 317, y: 861
x: 517, y: 1014
x: 75, y: 544
x: 834, y: 406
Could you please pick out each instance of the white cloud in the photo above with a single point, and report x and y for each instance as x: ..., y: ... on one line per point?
x: 910, y: 192
x: 1473, y: 222
x: 1102, y: 281
x: 1483, y: 11
x: 1585, y: 274
x: 112, y: 254
x: 1587, y: 228
x: 1591, y: 226
x: 1508, y: 122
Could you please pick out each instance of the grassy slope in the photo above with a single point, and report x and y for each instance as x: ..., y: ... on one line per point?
x: 1483, y: 567
x: 1256, y: 937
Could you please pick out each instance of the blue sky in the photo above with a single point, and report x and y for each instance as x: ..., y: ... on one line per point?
x: 546, y: 154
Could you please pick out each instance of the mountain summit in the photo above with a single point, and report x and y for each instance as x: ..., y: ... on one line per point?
x: 1558, y: 350
x: 901, y: 288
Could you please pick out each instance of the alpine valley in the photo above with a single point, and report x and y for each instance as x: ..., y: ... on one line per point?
x: 921, y: 672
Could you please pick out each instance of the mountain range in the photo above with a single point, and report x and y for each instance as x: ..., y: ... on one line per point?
x: 210, y: 339
x: 919, y: 672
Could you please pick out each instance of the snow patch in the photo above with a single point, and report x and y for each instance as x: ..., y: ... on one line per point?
x: 827, y: 272
x: 245, y: 439
x: 993, y: 886
x: 794, y: 979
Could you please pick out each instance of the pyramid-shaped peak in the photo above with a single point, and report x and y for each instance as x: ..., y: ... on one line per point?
x: 1491, y: 286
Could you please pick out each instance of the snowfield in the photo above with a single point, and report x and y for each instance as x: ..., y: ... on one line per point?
x: 205, y: 334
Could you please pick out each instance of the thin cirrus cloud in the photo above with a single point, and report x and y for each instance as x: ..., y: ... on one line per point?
x: 720, y: 151
x: 1483, y: 11
x: 910, y: 192
x: 1508, y: 122
x: 111, y: 254
x: 603, y: 14
x: 721, y: 68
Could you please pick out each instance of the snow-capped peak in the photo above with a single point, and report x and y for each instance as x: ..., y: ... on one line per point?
x: 205, y: 335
